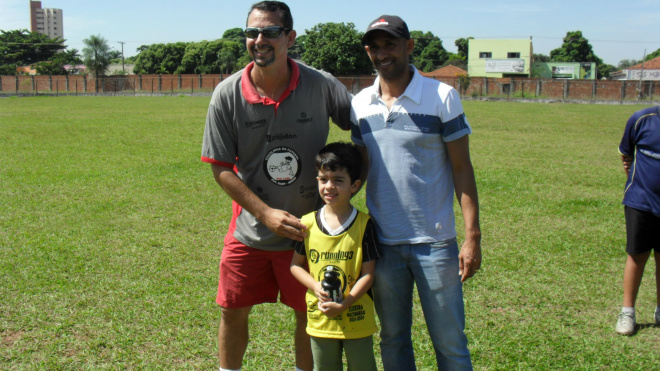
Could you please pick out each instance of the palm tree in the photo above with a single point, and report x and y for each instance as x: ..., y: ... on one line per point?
x: 96, y: 55
x: 72, y: 56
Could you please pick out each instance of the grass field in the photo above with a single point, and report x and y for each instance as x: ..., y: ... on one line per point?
x: 111, y: 231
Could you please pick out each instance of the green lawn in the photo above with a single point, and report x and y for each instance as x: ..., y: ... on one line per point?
x: 111, y: 232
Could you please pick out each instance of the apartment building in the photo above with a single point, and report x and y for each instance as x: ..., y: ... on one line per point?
x: 47, y: 21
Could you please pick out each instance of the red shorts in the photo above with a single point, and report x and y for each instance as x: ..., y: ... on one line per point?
x: 250, y: 276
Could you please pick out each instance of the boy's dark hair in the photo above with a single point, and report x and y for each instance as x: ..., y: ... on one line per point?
x: 340, y: 155
x: 275, y: 6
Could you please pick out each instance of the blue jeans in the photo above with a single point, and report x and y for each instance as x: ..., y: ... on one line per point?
x: 434, y: 269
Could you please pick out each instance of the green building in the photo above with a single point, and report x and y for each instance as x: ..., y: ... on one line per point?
x: 513, y: 58
x: 499, y: 57
x: 564, y: 70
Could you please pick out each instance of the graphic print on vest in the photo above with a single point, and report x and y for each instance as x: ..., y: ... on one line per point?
x: 282, y: 166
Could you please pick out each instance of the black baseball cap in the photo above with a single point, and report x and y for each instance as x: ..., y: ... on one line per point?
x: 391, y: 24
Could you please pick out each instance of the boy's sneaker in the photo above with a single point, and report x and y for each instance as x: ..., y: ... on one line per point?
x: 625, y: 324
x: 657, y: 318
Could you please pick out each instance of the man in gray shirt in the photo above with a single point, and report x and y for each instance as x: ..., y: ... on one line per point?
x: 264, y: 127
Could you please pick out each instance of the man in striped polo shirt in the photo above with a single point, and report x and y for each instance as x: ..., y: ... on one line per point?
x: 415, y: 135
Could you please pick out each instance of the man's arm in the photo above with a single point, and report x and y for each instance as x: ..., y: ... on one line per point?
x: 466, y: 193
x: 340, y: 110
x: 365, y: 166
x: 278, y: 221
x: 627, y: 162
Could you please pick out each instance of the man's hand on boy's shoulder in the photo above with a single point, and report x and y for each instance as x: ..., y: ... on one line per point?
x: 284, y: 224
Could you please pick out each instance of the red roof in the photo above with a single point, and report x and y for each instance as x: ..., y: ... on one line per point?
x: 446, y: 71
x: 651, y: 64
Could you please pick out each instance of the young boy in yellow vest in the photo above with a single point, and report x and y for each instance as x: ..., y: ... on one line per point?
x: 341, y: 238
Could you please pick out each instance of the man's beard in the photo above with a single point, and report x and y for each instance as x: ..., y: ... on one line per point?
x: 392, y: 72
x: 263, y: 62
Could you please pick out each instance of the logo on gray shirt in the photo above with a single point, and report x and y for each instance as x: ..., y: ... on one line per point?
x: 282, y: 166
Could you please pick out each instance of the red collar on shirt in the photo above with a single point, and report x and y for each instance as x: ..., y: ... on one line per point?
x: 251, y: 94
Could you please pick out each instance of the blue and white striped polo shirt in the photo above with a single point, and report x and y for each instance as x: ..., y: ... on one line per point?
x: 410, y: 188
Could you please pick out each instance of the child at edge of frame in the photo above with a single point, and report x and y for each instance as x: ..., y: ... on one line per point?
x: 340, y: 239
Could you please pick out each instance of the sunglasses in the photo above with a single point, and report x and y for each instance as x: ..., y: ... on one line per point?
x: 272, y: 32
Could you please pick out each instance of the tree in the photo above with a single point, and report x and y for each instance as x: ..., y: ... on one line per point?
x: 237, y: 35
x: 96, y: 55
x: 22, y: 47
x: 55, y: 66
x: 160, y: 58
x: 655, y: 54
x: 131, y: 59
x: 243, y: 61
x: 115, y: 56
x: 604, y: 70
x: 576, y: 48
x: 234, y: 34
x: 219, y: 56
x: 72, y: 57
x: 462, y: 46
x: 171, y: 56
x: 428, y: 54
x: 540, y: 58
x: 195, y: 58
x: 146, y: 62
x: 229, y: 56
x: 433, y: 57
x: 625, y: 63
x: 49, y: 68
x: 142, y: 48
x: 298, y: 48
x: 337, y: 49
x: 456, y: 60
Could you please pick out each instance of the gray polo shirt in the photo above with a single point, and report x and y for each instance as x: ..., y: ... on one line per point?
x: 272, y: 145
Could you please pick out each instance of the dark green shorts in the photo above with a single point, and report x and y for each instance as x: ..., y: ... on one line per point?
x: 328, y: 354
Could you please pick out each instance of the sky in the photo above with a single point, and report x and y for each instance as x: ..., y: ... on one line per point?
x: 616, y: 30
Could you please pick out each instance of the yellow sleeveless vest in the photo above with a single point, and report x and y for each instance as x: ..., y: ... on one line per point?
x: 344, y: 253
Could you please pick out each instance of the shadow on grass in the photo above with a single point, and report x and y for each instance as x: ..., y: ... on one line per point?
x: 639, y: 327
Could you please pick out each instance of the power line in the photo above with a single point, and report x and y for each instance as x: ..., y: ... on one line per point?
x: 13, y: 43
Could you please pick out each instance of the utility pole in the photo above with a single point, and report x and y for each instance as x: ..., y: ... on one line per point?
x: 641, y: 75
x: 122, y: 57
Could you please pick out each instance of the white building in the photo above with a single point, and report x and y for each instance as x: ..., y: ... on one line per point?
x: 647, y: 71
x: 47, y: 21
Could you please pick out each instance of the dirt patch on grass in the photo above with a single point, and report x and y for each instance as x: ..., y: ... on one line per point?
x: 10, y: 337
